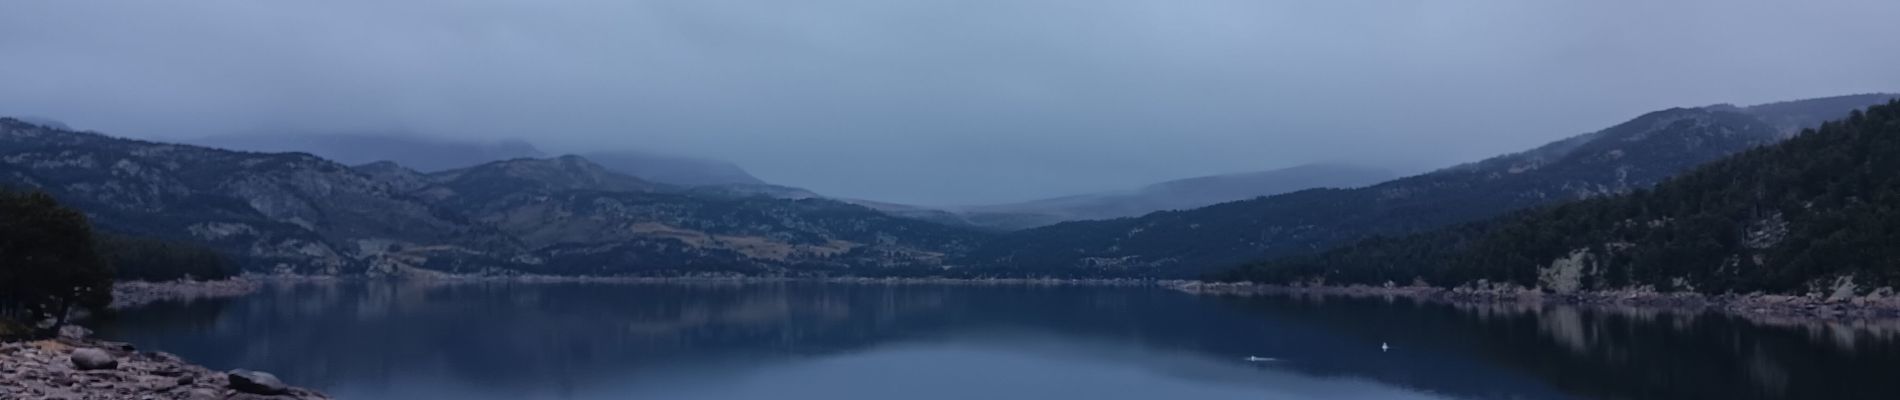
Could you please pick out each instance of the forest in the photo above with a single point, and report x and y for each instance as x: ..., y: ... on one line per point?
x: 1781, y: 218
x: 52, y: 262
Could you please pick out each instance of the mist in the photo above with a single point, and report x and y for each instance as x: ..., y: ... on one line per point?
x: 938, y: 102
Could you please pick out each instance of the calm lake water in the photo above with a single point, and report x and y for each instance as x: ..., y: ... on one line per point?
x: 839, y: 341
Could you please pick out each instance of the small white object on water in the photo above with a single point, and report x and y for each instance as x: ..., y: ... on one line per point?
x: 1384, y: 347
x: 1261, y: 359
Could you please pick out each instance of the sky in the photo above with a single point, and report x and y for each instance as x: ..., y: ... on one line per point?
x: 938, y: 102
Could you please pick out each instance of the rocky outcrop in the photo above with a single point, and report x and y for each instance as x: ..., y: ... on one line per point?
x: 83, y: 369
x: 255, y: 382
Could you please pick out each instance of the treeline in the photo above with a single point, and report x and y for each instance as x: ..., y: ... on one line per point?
x: 148, y: 259
x: 53, y: 263
x: 1823, y: 205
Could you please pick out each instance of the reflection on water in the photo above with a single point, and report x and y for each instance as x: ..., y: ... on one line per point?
x: 809, y: 340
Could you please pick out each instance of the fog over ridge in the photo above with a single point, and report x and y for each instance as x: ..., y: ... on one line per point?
x: 938, y: 102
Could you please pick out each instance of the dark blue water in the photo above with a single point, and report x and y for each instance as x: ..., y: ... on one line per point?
x: 835, y: 341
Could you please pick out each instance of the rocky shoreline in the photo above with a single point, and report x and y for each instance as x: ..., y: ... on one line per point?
x: 129, y: 294
x: 74, y: 367
x: 1877, y: 305
x: 137, y: 293
x: 741, y: 279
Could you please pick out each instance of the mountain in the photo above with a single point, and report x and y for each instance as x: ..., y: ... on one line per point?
x: 295, y: 212
x: 1172, y: 195
x: 413, y: 151
x: 1625, y: 157
x: 683, y: 171
x: 46, y: 122
x: 1815, y: 214
x: 582, y: 218
x: 429, y: 154
x: 288, y: 212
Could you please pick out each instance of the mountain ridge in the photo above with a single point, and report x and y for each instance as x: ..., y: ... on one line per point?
x: 1811, y: 215
x: 299, y: 213
x: 1177, y: 194
x: 1633, y: 154
x: 434, y: 154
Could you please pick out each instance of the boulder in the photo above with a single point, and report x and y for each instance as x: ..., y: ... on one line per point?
x: 91, y: 358
x: 256, y: 382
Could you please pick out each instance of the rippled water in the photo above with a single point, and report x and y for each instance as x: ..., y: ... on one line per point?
x: 838, y: 341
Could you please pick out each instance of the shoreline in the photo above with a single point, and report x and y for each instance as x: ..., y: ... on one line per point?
x: 132, y: 294
x: 1879, y: 305
x: 74, y: 367
x: 446, y: 278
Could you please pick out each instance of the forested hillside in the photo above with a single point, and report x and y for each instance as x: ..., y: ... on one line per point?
x: 1632, y: 155
x: 1820, y: 211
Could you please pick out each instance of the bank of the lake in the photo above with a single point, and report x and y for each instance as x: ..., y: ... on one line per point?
x: 1881, y: 303
x: 75, y: 367
x: 1878, y: 304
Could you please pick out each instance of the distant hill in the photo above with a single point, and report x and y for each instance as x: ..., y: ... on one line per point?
x: 414, y: 151
x: 428, y: 154
x: 1622, y: 158
x: 676, y: 170
x: 1172, y: 195
x: 295, y: 212
x: 1813, y: 215
x: 46, y: 122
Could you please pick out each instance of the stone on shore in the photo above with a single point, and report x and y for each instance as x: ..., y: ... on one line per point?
x: 54, y: 369
x: 74, y: 332
x: 91, y: 359
x: 256, y: 382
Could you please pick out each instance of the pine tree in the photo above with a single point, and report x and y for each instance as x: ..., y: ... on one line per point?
x: 48, y: 267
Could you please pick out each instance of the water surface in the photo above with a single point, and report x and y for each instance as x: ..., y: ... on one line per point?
x: 383, y: 340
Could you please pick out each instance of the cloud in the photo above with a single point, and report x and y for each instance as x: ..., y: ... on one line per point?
x: 938, y: 101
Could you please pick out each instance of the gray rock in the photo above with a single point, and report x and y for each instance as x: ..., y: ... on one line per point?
x: 90, y: 359
x: 162, y: 385
x: 204, y: 394
x: 256, y: 382
x: 74, y: 332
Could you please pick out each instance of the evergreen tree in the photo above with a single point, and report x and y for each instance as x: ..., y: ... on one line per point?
x: 47, y: 263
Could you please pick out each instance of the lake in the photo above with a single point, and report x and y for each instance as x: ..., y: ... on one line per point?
x: 808, y: 340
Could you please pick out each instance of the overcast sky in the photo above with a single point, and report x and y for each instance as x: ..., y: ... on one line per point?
x: 939, y: 101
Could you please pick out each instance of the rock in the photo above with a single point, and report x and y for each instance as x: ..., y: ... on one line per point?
x: 204, y: 394
x: 118, y: 346
x: 164, y: 385
x: 255, y: 382
x: 90, y: 359
x: 74, y: 332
